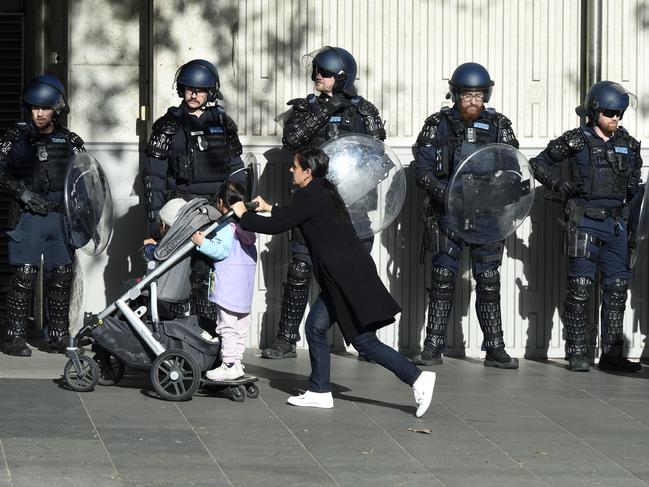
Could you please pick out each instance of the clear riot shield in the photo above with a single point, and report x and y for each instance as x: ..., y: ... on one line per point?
x: 490, y: 194
x: 88, y: 204
x: 252, y: 175
x: 642, y: 229
x: 369, y: 178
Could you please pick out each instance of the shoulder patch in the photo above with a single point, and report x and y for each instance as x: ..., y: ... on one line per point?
x: 75, y: 139
x: 167, y: 124
x: 574, y: 139
x: 503, y: 121
x: 366, y: 108
x: 300, y: 104
x: 230, y: 125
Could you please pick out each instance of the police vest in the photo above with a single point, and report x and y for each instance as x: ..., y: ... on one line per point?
x: 207, y: 154
x: 348, y: 121
x: 603, y: 169
x: 44, y: 168
x: 464, y: 138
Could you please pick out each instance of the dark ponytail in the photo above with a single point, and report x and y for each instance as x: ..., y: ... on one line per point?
x: 318, y: 162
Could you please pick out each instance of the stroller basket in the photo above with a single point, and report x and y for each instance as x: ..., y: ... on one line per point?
x: 116, y: 337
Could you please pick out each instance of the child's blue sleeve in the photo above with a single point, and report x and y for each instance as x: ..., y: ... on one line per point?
x: 218, y: 246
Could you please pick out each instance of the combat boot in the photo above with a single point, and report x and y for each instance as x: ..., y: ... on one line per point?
x: 499, y: 358
x: 430, y: 355
x: 282, y: 348
x: 578, y: 362
x: 617, y: 363
x: 17, y: 346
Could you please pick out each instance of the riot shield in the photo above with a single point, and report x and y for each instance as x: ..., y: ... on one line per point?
x: 641, y: 230
x: 369, y: 178
x: 88, y: 204
x: 490, y: 194
x: 252, y: 175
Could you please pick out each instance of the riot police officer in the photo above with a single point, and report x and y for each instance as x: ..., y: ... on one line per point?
x: 193, y: 149
x: 336, y: 110
x: 446, y: 139
x: 34, y: 157
x: 602, y: 175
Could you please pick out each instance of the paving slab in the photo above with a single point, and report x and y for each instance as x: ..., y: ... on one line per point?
x: 541, y: 425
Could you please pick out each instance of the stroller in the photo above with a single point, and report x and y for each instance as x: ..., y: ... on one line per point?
x: 173, y: 350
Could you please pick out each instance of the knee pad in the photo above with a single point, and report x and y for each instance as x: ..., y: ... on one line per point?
x: 59, y: 281
x: 488, y: 285
x: 299, y: 273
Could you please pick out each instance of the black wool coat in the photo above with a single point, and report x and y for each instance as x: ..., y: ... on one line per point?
x: 355, y: 295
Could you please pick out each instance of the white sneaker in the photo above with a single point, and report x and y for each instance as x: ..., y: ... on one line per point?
x: 423, y: 390
x: 313, y: 400
x: 223, y: 372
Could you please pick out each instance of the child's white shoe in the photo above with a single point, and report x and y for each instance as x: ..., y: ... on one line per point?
x: 226, y: 372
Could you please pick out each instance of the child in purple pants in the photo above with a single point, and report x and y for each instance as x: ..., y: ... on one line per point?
x: 231, y: 283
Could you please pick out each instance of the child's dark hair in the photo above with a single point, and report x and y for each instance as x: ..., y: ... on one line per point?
x: 230, y: 192
x: 318, y: 162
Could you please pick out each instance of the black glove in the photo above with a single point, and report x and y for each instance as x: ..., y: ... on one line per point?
x: 566, y: 187
x: 36, y: 203
x: 336, y: 102
x: 154, y: 230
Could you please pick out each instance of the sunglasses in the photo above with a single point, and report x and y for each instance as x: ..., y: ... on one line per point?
x: 613, y: 113
x: 323, y: 72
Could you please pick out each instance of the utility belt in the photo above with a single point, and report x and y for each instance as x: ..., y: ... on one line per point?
x: 437, y: 240
x: 52, y: 207
x: 576, y: 240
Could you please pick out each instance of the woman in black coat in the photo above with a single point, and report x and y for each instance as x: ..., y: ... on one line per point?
x: 351, y: 291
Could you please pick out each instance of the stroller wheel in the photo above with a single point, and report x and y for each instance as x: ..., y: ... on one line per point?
x: 252, y: 391
x: 238, y: 393
x: 83, y: 379
x: 111, y: 370
x: 175, y: 376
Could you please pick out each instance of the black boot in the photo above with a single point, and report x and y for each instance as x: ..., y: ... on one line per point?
x: 499, y: 358
x: 440, y: 302
x: 17, y: 346
x: 59, y: 286
x: 430, y: 355
x: 575, y: 315
x: 19, y: 296
x: 613, y: 306
x: 578, y: 362
x: 294, y: 301
x: 282, y: 348
x: 617, y: 363
x: 487, y: 306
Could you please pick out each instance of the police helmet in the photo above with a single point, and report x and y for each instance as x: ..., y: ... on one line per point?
x: 46, y: 91
x: 198, y: 73
x: 605, y: 95
x: 338, y: 62
x: 470, y: 77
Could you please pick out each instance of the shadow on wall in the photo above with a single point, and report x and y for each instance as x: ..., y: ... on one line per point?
x: 124, y: 252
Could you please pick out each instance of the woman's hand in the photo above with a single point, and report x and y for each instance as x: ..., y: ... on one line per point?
x: 263, y: 206
x: 198, y: 238
x: 149, y: 241
x: 239, y: 208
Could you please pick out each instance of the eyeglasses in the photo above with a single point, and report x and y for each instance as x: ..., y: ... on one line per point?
x: 613, y: 113
x: 323, y: 72
x: 197, y: 91
x: 472, y: 96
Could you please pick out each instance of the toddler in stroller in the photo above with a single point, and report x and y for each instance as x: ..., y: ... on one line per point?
x: 173, y: 350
